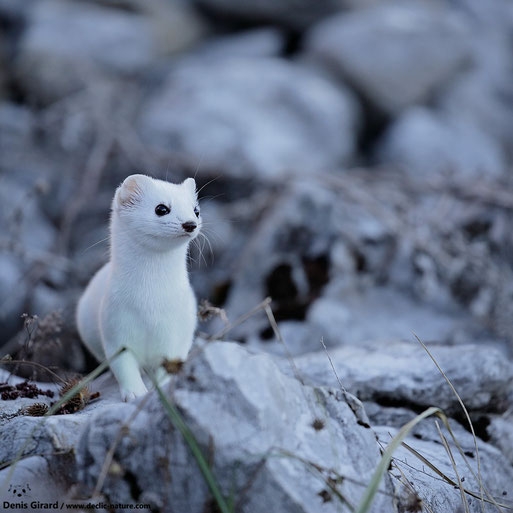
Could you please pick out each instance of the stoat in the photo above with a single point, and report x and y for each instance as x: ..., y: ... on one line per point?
x: 142, y: 299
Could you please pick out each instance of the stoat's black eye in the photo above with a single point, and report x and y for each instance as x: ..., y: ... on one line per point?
x: 162, y: 210
x: 197, y: 211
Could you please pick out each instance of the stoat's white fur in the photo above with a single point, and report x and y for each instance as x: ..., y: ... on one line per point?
x: 142, y: 299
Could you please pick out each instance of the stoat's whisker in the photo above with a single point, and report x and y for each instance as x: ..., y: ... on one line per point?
x: 206, y: 199
x: 95, y: 244
x: 208, y: 183
x: 205, y: 238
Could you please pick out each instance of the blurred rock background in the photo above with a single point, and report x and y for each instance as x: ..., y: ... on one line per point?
x: 358, y: 154
x: 356, y: 158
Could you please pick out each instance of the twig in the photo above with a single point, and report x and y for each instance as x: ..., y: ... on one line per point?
x: 261, y: 306
x: 35, y: 364
x: 481, y: 487
x: 455, y: 468
x: 332, y: 366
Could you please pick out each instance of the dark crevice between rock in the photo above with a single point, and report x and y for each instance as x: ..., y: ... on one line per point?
x: 480, y: 421
x: 135, y: 489
x: 317, y: 273
x: 360, y: 261
x: 389, y: 402
x: 288, y: 304
x: 293, y: 43
x: 280, y: 285
x: 376, y: 124
x: 211, y: 506
x: 219, y: 293
x: 480, y: 424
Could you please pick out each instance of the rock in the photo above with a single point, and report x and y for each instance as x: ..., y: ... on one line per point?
x: 16, y: 127
x: 481, y: 96
x: 263, y: 431
x: 13, y: 291
x: 286, y: 257
x: 342, y: 317
x: 262, y: 42
x: 403, y: 374
x: 290, y: 13
x: 500, y: 432
x: 424, y: 437
x: 253, y: 118
x: 47, y: 469
x: 66, y: 44
x: 25, y: 227
x: 320, y: 254
x: 57, y: 434
x: 438, y: 495
x: 396, y: 54
x: 46, y: 299
x: 27, y: 238
x: 300, y: 337
x: 33, y: 480
x: 258, y: 411
x: 425, y: 144
x: 12, y: 11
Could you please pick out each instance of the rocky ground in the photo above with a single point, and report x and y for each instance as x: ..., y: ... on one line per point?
x: 356, y: 159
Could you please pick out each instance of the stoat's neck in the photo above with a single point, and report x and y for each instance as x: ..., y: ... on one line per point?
x: 136, y: 261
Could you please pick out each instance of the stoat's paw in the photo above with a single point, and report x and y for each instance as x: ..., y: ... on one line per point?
x: 129, y: 395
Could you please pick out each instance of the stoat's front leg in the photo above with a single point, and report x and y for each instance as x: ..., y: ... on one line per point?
x: 127, y: 372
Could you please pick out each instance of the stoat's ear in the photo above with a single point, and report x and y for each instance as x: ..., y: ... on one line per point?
x: 131, y: 190
x: 190, y: 184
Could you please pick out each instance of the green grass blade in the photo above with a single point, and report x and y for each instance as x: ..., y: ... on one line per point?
x: 386, y: 458
x: 189, y: 438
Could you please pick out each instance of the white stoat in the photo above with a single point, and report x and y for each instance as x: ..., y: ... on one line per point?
x: 142, y: 299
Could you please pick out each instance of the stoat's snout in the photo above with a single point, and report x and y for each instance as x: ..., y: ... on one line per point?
x: 189, y: 226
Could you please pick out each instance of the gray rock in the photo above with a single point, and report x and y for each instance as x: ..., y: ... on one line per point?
x: 300, y: 337
x: 342, y: 316
x: 424, y: 438
x: 291, y: 13
x: 27, y: 436
x: 32, y: 480
x: 396, y: 54
x: 426, y: 484
x: 500, y: 431
x: 26, y: 238
x: 12, y: 294
x: 247, y: 412
x: 263, y: 42
x: 256, y: 423
x: 12, y: 10
x: 66, y: 44
x: 319, y: 253
x: 25, y: 226
x: 253, y: 118
x: 16, y: 127
x: 425, y: 143
x: 292, y: 240
x: 403, y: 374
x: 46, y: 299
x: 482, y: 96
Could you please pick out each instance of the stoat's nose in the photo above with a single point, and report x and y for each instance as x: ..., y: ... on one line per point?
x: 189, y: 226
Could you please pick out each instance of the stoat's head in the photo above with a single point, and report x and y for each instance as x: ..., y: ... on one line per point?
x: 157, y: 214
